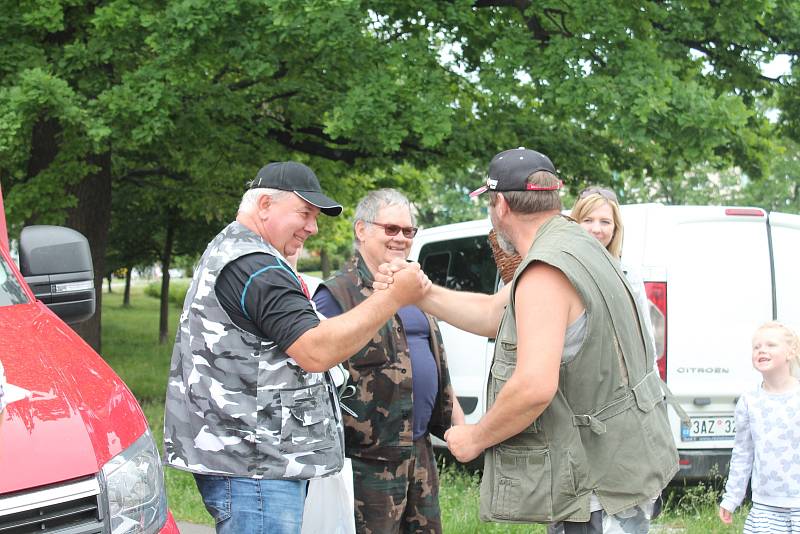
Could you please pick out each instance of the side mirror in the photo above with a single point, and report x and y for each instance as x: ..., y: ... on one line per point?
x: 57, y: 264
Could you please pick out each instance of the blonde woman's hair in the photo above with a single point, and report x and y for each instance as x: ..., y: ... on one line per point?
x: 790, y: 336
x: 586, y: 205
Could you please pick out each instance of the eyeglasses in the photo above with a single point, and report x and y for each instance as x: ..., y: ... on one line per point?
x: 392, y: 229
x: 607, y: 194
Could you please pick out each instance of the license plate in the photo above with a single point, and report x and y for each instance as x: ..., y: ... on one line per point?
x: 709, y: 428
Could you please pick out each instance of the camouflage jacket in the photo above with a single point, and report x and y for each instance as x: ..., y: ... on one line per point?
x: 381, y: 373
x: 236, y: 405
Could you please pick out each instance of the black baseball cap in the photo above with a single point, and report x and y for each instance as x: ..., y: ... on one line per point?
x: 298, y: 178
x: 509, y: 171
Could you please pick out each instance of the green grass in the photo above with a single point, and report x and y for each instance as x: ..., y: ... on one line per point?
x: 459, y: 492
x: 694, y: 509
x: 130, y: 345
x: 689, y: 509
x: 177, y: 290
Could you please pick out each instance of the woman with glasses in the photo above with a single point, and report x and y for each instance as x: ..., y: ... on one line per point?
x: 597, y: 210
x: 401, y: 390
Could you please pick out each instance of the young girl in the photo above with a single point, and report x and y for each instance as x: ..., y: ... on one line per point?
x: 767, y: 445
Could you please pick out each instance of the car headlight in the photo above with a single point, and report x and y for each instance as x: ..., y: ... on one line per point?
x: 134, y: 483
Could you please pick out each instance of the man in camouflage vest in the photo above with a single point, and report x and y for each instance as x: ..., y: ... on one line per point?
x: 387, y: 436
x: 250, y: 410
x: 575, y: 433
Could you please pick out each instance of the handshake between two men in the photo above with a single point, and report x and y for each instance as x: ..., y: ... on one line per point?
x: 474, y: 312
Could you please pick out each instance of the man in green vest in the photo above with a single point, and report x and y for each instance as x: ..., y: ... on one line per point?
x: 576, y: 432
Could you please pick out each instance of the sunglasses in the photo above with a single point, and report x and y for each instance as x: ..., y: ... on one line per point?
x: 392, y: 229
x: 607, y: 194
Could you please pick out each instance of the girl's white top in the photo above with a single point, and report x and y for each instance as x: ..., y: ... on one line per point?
x: 767, y: 446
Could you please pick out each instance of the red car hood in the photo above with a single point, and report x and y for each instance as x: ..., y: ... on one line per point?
x: 77, y: 413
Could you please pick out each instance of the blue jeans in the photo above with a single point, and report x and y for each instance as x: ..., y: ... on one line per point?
x: 250, y: 506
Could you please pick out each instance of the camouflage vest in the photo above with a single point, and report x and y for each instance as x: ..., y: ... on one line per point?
x: 237, y: 405
x: 381, y: 373
x: 606, y: 429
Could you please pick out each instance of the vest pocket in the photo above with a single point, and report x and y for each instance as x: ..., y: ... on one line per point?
x: 307, y: 419
x: 509, y: 347
x: 500, y: 372
x: 521, y: 484
x: 648, y: 392
x: 369, y: 358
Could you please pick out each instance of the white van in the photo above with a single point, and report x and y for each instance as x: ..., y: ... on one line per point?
x: 712, y: 274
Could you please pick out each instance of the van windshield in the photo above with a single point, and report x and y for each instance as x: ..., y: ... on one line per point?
x: 10, y: 290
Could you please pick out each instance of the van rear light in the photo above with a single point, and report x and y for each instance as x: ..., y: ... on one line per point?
x: 657, y: 293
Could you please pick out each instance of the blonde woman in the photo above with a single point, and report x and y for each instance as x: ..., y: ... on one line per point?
x: 597, y: 210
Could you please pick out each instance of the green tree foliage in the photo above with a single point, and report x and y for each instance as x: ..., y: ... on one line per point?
x: 782, y: 191
x: 96, y: 93
x: 190, y: 98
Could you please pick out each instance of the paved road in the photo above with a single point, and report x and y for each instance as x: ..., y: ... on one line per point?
x: 191, y: 528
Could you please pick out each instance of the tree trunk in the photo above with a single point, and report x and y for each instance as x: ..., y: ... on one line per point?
x: 166, y: 260
x: 92, y: 218
x: 110, y: 276
x: 126, y: 296
x: 44, y: 145
x: 324, y: 263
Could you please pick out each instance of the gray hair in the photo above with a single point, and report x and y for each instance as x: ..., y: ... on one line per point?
x: 367, y: 210
x: 251, y: 196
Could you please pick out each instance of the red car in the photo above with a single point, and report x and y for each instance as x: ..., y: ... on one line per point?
x: 76, y: 454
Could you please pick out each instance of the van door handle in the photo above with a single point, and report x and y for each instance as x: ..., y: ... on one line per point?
x: 702, y: 401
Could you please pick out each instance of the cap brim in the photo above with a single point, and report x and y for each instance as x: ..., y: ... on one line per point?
x: 480, y: 190
x: 326, y: 205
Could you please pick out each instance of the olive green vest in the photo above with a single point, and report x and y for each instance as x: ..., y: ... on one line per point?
x: 606, y: 429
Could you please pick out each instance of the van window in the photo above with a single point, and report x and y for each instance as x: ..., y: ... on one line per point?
x: 435, y: 266
x: 464, y: 264
x: 10, y: 290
